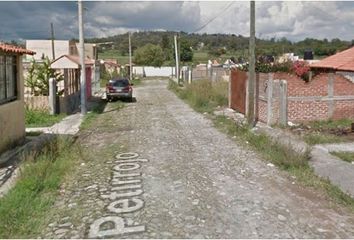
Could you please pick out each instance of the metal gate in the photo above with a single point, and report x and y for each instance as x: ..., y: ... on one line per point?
x: 238, y: 87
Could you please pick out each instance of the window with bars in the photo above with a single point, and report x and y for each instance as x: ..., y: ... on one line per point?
x: 8, y: 78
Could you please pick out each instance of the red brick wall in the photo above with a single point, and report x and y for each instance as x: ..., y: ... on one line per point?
x: 302, y: 111
x: 298, y: 87
x: 343, y: 86
x: 262, y: 111
x: 344, y: 109
x: 316, y: 104
x: 309, y: 101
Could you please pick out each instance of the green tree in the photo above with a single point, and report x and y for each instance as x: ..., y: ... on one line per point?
x: 38, y: 77
x: 186, y: 52
x: 149, y: 55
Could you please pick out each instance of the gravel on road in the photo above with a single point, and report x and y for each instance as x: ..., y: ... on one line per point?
x: 182, y: 178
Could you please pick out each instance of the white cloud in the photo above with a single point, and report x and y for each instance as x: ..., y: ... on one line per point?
x: 290, y: 19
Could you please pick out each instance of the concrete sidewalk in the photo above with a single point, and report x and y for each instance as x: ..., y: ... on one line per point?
x: 68, y: 126
x: 325, y: 165
x: 339, y: 172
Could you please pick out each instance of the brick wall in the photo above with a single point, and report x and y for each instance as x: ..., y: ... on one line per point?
x: 262, y: 110
x: 326, y: 96
x: 323, y: 98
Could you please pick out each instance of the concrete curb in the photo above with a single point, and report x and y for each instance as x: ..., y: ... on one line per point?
x: 69, y: 126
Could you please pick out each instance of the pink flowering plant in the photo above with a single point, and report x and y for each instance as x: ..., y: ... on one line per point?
x: 301, y: 69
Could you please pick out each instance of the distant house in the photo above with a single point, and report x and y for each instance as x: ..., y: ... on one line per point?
x: 70, y: 66
x: 111, y: 66
x: 43, y: 49
x: 12, y: 116
x: 288, y: 57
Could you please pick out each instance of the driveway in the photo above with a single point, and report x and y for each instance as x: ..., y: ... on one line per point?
x: 182, y: 178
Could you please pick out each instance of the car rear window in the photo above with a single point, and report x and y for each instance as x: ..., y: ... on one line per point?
x: 120, y: 83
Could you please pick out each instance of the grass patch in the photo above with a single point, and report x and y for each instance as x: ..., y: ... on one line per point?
x: 23, y: 210
x: 345, y: 156
x: 91, y: 115
x: 136, y: 81
x: 203, y: 95
x: 41, y: 118
x: 284, y: 157
x: 327, y: 131
x: 96, y: 110
x: 330, y: 124
x: 321, y: 138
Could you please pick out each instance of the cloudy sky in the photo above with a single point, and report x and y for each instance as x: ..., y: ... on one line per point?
x: 295, y: 20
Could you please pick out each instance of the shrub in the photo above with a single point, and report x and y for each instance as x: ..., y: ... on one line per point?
x: 38, y: 77
x: 301, y: 69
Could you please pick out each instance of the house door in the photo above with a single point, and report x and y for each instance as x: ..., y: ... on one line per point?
x: 88, y: 82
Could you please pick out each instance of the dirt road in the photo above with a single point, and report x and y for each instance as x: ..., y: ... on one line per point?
x: 182, y: 178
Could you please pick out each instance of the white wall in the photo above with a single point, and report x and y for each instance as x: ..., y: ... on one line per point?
x: 44, y: 47
x: 154, y: 71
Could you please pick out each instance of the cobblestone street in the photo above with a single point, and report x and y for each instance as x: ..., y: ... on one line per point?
x: 158, y: 169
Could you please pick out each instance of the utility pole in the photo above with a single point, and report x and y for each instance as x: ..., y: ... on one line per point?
x: 130, y: 59
x: 251, y: 69
x: 177, y: 59
x: 82, y: 60
x: 52, y: 33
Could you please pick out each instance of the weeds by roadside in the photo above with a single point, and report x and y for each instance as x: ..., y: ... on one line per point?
x: 282, y: 156
x: 203, y: 95
x: 41, y: 118
x: 345, y: 156
x: 136, y: 81
x: 325, y: 131
x: 23, y: 209
x: 321, y: 138
x: 331, y: 124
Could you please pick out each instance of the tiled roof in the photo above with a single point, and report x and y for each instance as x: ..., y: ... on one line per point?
x: 343, y: 61
x: 112, y: 64
x: 14, y: 49
x: 76, y: 59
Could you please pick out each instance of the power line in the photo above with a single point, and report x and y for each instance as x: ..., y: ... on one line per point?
x: 216, y: 16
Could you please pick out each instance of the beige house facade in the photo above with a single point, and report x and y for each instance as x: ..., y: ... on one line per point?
x: 43, y: 49
x: 12, y: 113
